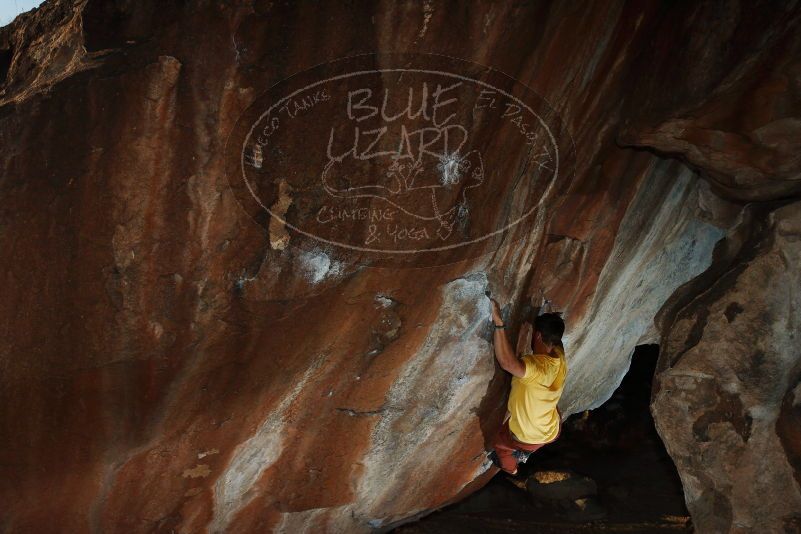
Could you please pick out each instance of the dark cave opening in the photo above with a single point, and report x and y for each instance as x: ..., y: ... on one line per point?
x: 609, y: 471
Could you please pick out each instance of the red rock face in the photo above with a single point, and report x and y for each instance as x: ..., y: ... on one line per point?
x: 172, y: 364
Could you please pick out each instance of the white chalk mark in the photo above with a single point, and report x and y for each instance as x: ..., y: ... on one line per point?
x: 234, y: 489
x: 449, y: 168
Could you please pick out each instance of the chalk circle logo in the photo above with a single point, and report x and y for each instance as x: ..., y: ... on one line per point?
x: 402, y: 159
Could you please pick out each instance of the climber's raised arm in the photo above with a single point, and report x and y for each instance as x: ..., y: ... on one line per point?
x: 503, y: 348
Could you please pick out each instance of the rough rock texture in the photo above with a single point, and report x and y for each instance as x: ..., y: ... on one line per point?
x: 727, y: 401
x: 167, y: 366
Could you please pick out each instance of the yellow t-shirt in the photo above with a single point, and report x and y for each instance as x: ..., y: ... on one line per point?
x: 532, y: 401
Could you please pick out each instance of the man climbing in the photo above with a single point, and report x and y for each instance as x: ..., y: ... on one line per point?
x: 533, y: 419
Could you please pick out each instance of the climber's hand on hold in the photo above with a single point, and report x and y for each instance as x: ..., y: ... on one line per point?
x: 503, y: 349
x: 497, y: 318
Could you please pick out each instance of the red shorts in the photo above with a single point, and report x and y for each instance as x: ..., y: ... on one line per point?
x: 505, y: 444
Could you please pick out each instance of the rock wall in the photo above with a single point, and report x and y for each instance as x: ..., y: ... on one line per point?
x: 170, y: 365
x: 664, y: 240
x: 726, y: 401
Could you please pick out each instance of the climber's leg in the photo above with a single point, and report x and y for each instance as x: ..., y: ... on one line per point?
x: 505, y: 446
x: 504, y: 449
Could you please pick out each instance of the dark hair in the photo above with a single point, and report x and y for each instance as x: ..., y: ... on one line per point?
x: 551, y: 326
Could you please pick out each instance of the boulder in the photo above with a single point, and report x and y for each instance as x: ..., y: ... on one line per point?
x: 560, y: 486
x: 179, y: 356
x: 727, y: 395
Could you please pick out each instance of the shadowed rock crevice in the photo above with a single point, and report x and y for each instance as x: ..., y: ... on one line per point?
x: 743, y: 242
x: 6, y: 57
x: 115, y: 24
x: 104, y: 25
x: 788, y: 428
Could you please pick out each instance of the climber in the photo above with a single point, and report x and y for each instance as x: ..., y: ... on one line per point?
x: 533, y: 419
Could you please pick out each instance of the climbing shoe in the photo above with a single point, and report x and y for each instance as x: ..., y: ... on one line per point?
x: 521, y: 456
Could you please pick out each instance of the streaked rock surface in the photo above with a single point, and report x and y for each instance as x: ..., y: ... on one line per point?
x: 168, y: 365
